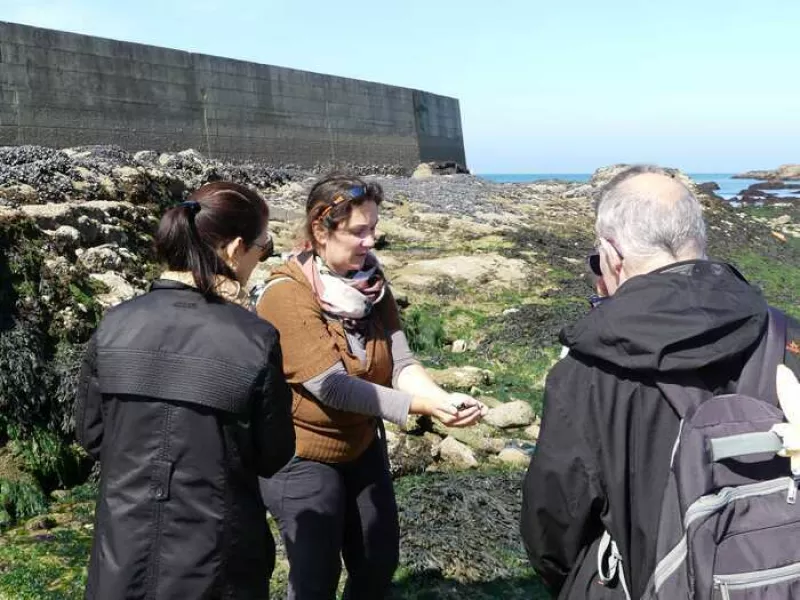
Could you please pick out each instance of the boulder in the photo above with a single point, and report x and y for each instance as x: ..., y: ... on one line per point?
x: 429, y: 169
x: 108, y: 257
x: 459, y: 347
x: 423, y: 171
x: 533, y: 430
x: 132, y: 183
x: 19, y: 193
x: 514, y: 456
x: 455, y: 454
x: 517, y: 413
x: 66, y: 238
x: 119, y: 289
x: 147, y: 157
x: 492, y: 270
x: 479, y: 437
x: 461, y: 378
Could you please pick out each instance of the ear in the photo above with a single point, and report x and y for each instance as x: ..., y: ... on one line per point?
x: 320, y: 233
x: 612, y: 258
x: 234, y: 249
x: 789, y: 394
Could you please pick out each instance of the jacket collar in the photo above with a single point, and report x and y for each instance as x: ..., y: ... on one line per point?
x: 225, y: 288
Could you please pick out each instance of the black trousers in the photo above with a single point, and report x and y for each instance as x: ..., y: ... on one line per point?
x: 329, y: 512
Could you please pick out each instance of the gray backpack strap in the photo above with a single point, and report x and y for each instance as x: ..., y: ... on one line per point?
x: 758, y: 375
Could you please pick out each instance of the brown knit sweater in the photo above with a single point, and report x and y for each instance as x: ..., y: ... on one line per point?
x: 311, y: 344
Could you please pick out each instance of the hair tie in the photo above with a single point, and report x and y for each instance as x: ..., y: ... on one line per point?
x: 192, y: 205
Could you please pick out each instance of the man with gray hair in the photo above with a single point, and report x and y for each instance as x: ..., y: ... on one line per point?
x: 603, y: 456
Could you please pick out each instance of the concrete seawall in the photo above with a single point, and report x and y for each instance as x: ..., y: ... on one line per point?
x: 62, y: 89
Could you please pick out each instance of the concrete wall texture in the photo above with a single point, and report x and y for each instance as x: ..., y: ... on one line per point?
x: 62, y: 89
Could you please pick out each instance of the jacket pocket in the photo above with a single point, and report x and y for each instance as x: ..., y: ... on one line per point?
x: 160, y: 480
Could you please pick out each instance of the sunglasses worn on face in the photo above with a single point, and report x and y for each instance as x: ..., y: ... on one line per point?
x: 593, y: 260
x: 266, y: 248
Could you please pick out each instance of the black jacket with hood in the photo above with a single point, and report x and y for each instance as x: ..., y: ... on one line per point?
x: 183, y: 401
x: 602, y: 459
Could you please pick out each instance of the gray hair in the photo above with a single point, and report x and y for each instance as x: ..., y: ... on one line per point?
x: 644, y: 223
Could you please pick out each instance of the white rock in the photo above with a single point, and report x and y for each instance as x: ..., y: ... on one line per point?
x: 456, y: 454
x: 514, y: 456
x: 461, y: 378
x: 459, y: 346
x: 495, y: 270
x: 423, y: 171
x: 66, y: 238
x: 108, y: 257
x: 782, y: 220
x: 533, y: 431
x: 511, y: 414
x: 119, y: 289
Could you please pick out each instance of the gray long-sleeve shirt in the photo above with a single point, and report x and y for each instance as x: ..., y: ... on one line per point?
x: 337, y: 389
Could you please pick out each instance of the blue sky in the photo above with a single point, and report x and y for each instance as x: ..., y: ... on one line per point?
x: 556, y: 86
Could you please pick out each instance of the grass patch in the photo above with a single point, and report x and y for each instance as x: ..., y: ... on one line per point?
x: 46, y: 559
x: 424, y: 329
x: 780, y: 281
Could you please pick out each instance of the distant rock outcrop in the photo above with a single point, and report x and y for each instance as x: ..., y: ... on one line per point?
x: 604, y: 175
x: 783, y: 173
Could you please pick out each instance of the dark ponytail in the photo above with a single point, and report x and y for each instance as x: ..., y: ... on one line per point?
x: 191, y: 233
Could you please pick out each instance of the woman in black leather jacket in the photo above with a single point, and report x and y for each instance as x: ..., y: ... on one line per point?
x: 183, y: 401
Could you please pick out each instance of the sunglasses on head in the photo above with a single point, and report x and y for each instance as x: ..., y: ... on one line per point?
x: 267, y: 248
x: 355, y: 193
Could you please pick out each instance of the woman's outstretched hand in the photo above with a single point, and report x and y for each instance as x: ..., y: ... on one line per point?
x: 455, y: 410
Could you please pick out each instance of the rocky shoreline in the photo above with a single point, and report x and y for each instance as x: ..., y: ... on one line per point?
x: 487, y: 274
x: 788, y: 172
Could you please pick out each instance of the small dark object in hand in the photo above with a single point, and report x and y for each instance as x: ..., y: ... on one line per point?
x: 462, y: 406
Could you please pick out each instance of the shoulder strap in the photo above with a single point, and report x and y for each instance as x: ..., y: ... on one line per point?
x: 758, y: 375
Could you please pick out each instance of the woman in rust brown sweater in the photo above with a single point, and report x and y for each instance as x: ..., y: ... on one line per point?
x: 349, y: 366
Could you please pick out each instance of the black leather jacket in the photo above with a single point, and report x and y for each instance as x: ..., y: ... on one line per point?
x: 183, y: 401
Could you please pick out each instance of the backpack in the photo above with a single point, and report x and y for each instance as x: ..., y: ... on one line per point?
x: 730, y: 526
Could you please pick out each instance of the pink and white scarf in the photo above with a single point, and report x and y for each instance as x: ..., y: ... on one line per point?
x: 349, y: 298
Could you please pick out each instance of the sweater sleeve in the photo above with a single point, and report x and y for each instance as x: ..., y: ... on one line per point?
x: 402, y: 356
x: 341, y: 391
x: 307, y: 346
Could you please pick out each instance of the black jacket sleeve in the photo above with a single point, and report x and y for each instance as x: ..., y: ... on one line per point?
x: 562, y: 503
x: 273, y: 427
x: 88, y: 405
